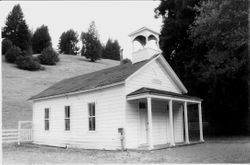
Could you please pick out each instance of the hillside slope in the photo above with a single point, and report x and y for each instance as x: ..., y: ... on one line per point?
x: 20, y: 85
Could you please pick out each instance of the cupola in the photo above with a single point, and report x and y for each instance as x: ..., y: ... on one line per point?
x: 145, y: 44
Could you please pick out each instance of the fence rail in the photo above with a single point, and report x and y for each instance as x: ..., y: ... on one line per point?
x: 18, y: 135
x: 9, y: 135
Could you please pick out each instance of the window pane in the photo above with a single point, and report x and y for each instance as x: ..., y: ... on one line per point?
x: 67, y: 124
x: 93, y: 109
x: 93, y: 120
x: 46, y: 113
x: 90, y: 124
x: 46, y: 124
x: 89, y: 109
x: 67, y: 112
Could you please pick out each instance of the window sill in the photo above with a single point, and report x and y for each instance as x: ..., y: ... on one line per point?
x: 67, y: 131
x: 91, y: 131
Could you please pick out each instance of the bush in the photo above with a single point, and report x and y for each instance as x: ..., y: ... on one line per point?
x: 125, y: 61
x: 27, y: 52
x: 6, y: 45
x: 12, y: 54
x: 48, y: 56
x: 28, y: 63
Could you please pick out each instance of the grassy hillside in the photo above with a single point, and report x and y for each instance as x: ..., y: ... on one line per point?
x: 20, y: 85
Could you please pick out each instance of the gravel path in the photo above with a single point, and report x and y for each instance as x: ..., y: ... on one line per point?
x: 213, y: 151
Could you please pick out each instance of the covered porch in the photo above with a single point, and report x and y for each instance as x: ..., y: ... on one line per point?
x: 165, y: 115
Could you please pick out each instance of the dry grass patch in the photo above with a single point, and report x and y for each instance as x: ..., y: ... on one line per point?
x: 209, y: 152
x: 19, y: 85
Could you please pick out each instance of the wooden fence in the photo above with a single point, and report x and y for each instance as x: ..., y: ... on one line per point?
x: 18, y: 135
x: 9, y: 135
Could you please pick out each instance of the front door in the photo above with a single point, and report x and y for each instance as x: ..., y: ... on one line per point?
x: 143, y: 125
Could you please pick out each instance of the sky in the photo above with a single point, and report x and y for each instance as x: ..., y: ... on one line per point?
x: 114, y: 19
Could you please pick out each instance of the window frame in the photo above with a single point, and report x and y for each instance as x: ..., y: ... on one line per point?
x: 47, y: 119
x: 91, y: 115
x: 67, y: 118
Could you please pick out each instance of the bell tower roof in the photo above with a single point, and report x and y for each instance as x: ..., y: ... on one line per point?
x: 145, y: 44
x: 141, y: 30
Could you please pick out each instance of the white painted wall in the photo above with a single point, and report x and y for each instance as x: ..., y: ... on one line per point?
x: 178, y: 123
x: 153, y: 76
x: 160, y: 123
x: 110, y: 109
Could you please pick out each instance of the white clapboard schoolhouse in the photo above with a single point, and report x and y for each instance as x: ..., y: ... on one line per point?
x: 142, y: 105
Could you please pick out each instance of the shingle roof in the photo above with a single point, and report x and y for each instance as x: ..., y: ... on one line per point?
x: 92, y: 80
x: 162, y: 92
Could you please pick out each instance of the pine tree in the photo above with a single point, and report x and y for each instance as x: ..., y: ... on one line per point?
x: 112, y: 50
x: 68, y: 42
x: 92, y: 48
x: 16, y: 29
x: 41, y: 39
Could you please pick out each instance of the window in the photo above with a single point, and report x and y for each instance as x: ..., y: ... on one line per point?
x: 142, y: 105
x: 67, y: 118
x: 91, y: 109
x: 46, y: 119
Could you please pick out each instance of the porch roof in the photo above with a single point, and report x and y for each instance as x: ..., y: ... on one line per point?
x: 156, y: 92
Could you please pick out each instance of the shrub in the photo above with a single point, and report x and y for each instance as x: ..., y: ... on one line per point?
x: 48, y: 56
x: 27, y: 52
x: 6, y: 45
x: 28, y: 63
x: 12, y: 54
x: 125, y: 61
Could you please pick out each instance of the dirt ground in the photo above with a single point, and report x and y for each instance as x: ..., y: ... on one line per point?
x: 228, y: 150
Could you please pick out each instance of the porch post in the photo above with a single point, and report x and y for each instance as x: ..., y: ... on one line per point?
x: 186, y: 123
x: 171, y: 122
x: 200, y: 122
x: 149, y: 105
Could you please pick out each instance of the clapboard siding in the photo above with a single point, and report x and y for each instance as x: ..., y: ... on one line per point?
x: 153, y: 76
x: 160, y: 120
x: 110, y: 107
x: 160, y: 123
x: 178, y: 123
x: 132, y: 124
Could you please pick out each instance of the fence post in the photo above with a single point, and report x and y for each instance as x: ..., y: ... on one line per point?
x: 19, y: 133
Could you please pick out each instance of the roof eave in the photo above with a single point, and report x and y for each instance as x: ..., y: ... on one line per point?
x: 77, y: 92
x: 150, y: 94
x: 174, y: 75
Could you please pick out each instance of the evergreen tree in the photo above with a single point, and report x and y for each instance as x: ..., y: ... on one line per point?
x: 68, y: 42
x: 16, y: 29
x: 112, y: 50
x: 92, y: 48
x: 222, y: 29
x: 41, y: 39
x: 205, y: 43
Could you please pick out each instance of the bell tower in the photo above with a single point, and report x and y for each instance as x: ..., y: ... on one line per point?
x: 145, y: 44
